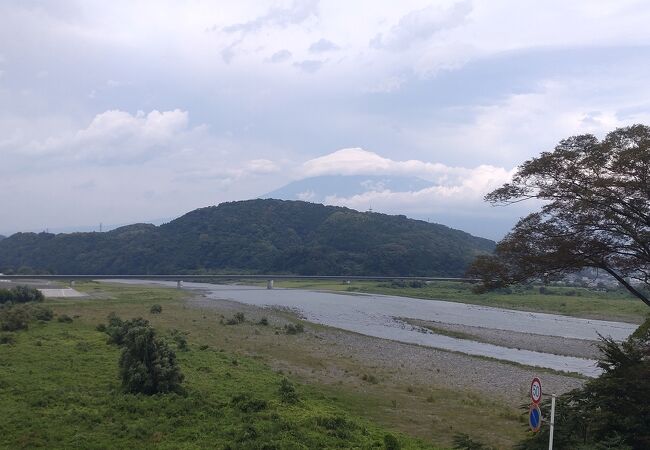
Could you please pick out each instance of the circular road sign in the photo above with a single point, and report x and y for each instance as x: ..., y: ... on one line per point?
x: 536, y: 390
x: 535, y: 418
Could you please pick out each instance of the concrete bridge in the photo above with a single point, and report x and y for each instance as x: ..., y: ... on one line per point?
x: 269, y: 278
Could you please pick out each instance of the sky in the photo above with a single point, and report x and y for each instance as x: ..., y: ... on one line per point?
x: 130, y: 111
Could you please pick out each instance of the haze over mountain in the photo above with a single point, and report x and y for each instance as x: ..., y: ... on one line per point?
x: 257, y: 236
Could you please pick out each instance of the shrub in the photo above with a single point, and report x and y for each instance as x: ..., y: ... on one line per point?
x: 179, y: 339
x: 7, y: 339
x: 21, y: 294
x: 40, y: 312
x: 287, y: 392
x: 155, y: 309
x: 14, y: 318
x: 263, y: 321
x: 239, y: 317
x: 64, y: 318
x: 370, y: 378
x: 147, y: 364
x: 294, y: 328
x: 245, y: 403
x: 391, y: 442
x: 462, y: 441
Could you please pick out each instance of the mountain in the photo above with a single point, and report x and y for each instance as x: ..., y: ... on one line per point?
x: 255, y: 236
x: 2, y: 237
x: 319, y: 189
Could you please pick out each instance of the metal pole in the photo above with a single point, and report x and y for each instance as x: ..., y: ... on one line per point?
x: 550, y: 436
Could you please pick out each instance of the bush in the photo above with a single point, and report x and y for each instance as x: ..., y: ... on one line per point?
x: 287, y: 392
x: 239, y: 317
x: 462, y: 441
x: 7, y: 339
x: 179, y: 339
x: 391, y: 442
x: 64, y: 318
x: 155, y: 309
x: 263, y: 321
x: 147, y: 364
x: 245, y: 403
x: 294, y: 328
x: 40, y: 312
x: 21, y: 294
x: 14, y: 318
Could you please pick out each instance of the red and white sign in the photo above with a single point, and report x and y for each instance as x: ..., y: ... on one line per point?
x: 536, y: 390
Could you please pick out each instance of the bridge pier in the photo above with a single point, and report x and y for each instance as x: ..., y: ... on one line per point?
x: 179, y: 284
x: 269, y: 284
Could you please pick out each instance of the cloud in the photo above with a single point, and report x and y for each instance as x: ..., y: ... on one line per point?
x: 421, y: 25
x: 262, y: 166
x: 309, y: 65
x: 446, y: 181
x: 116, y: 136
x: 322, y: 46
x: 298, y: 12
x: 280, y: 56
x: 454, y: 196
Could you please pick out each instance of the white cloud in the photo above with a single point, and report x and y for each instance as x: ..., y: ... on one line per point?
x: 118, y: 136
x: 422, y: 24
x: 323, y: 45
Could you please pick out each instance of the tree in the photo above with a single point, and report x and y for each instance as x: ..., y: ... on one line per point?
x: 147, y: 364
x: 595, y: 214
x: 608, y: 412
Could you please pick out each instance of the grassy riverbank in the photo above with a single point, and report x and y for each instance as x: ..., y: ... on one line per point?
x: 59, y: 389
x: 59, y: 386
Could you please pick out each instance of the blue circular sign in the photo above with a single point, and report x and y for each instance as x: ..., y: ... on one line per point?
x: 535, y: 418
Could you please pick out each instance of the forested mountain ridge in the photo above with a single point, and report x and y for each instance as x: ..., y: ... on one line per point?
x: 255, y: 236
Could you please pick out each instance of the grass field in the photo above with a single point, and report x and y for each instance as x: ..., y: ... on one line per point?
x: 579, y: 302
x: 59, y: 388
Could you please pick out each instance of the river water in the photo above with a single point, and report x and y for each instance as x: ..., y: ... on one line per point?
x: 377, y: 316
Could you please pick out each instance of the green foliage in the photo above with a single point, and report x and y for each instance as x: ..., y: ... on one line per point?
x: 7, y: 339
x: 236, y: 319
x: 64, y: 318
x: 613, y: 408
x: 14, y: 318
x: 391, y: 442
x: 263, y: 321
x: 21, y: 294
x: 155, y: 309
x: 594, y: 215
x: 147, y: 365
x: 464, y: 442
x: 260, y: 236
x: 43, y: 313
x: 287, y: 392
x: 292, y: 328
x: 77, y: 402
x: 118, y: 328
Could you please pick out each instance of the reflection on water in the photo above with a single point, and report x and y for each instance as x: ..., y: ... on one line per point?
x: 374, y: 315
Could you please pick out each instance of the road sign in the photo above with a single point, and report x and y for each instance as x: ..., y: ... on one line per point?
x: 535, y: 418
x: 536, y: 390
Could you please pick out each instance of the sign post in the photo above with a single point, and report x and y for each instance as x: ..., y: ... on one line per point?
x: 550, y: 436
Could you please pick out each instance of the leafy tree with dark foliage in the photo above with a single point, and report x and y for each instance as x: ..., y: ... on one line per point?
x: 147, y: 364
x: 596, y: 213
x: 609, y: 412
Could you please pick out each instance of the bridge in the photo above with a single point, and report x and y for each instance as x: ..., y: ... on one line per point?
x: 269, y: 278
